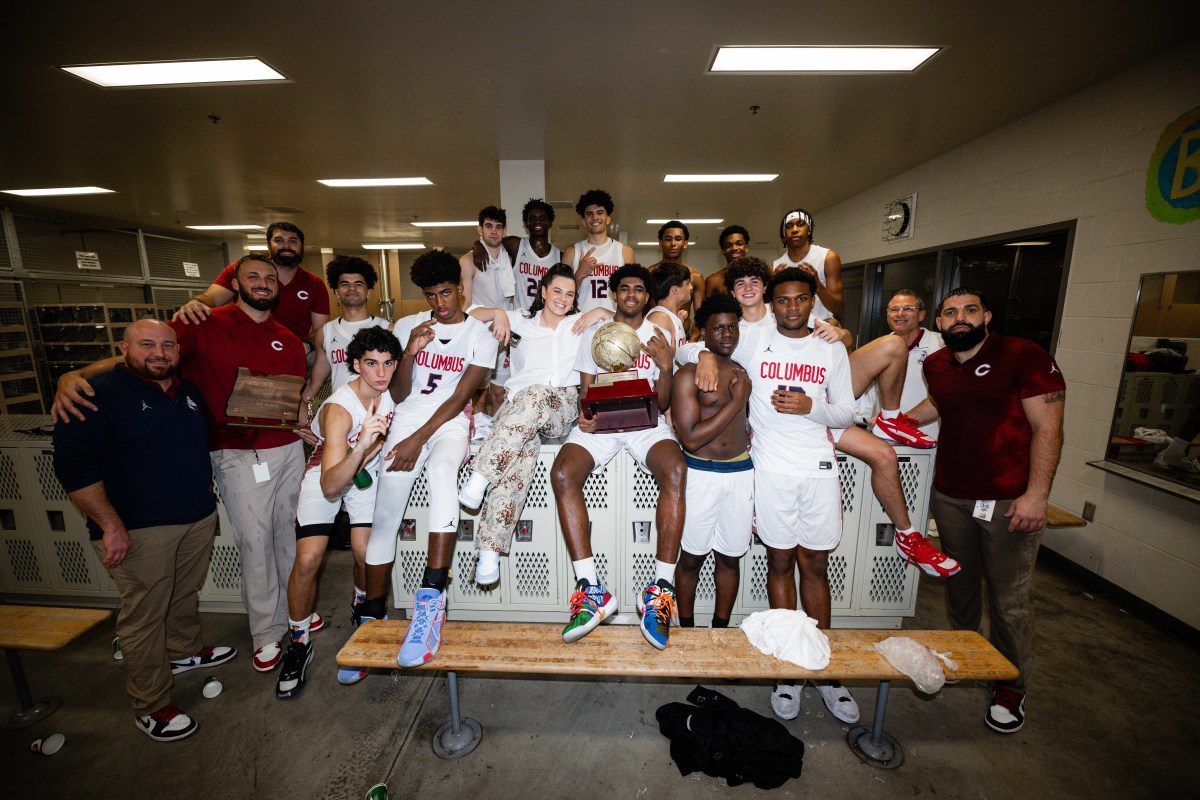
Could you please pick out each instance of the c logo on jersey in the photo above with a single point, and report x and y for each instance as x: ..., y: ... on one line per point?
x: 303, y: 295
x: 277, y: 346
x: 983, y: 369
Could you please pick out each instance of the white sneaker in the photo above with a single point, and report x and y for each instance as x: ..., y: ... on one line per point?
x: 473, y: 491
x: 838, y: 700
x: 487, y: 570
x: 785, y: 700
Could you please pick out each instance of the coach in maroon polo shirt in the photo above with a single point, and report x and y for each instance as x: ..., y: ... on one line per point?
x: 303, y: 302
x: 1001, y: 401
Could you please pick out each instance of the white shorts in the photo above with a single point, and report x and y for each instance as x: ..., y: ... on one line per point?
x: 720, y: 512
x: 445, y: 452
x: 792, y: 511
x: 315, y: 512
x: 603, y: 447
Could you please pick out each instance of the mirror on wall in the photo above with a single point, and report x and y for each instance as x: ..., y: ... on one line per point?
x: 1156, y: 425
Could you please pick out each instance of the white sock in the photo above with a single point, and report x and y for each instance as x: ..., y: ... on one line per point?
x: 585, y: 568
x: 300, y: 629
x: 360, y: 595
x: 905, y: 531
x: 664, y: 571
x: 889, y: 413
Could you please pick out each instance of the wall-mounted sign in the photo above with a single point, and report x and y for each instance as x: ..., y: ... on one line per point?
x: 86, y: 260
x: 1173, y: 179
x: 191, y: 270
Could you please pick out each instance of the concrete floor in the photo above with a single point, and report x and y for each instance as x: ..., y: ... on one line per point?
x: 1112, y: 713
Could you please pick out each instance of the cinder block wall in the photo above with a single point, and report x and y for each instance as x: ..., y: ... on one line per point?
x: 1084, y: 158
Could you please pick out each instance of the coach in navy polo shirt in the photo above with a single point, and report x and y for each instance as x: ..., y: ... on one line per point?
x: 139, y: 468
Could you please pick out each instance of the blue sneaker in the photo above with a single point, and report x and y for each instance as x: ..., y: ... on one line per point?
x: 657, y: 605
x: 425, y: 631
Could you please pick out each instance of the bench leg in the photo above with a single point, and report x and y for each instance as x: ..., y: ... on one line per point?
x: 460, y: 735
x: 30, y: 712
x: 872, y: 745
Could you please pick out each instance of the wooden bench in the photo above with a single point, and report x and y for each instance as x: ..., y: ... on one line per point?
x: 1060, y: 518
x: 700, y: 653
x: 40, y: 628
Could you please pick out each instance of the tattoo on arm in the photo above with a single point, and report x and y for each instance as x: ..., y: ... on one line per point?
x: 1054, y: 397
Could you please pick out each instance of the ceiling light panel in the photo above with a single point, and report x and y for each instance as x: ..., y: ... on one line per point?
x: 64, y: 190
x: 227, y: 227
x: 341, y: 183
x: 394, y: 246
x: 466, y: 223
x: 685, y: 221
x: 721, y: 178
x: 177, y: 73
x: 753, y: 60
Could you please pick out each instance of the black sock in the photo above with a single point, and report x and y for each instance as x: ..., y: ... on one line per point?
x: 720, y: 622
x: 435, y: 578
x: 375, y: 609
x: 687, y: 622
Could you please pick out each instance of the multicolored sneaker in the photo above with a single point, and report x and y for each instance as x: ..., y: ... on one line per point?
x: 424, y: 635
x: 917, y: 549
x: 589, y: 606
x: 902, y: 430
x: 657, y: 605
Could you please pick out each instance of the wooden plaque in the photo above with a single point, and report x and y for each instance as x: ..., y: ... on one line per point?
x: 264, y: 398
x: 620, y: 402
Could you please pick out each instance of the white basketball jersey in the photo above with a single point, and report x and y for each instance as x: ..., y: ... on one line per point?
x: 816, y: 260
x: 441, y: 363
x: 793, y: 444
x: 337, y: 334
x: 529, y: 271
x: 489, y: 286
x: 593, y: 290
x: 348, y: 399
x: 645, y: 366
x: 680, y: 337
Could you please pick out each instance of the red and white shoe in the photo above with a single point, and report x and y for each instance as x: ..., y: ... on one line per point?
x: 267, y: 657
x: 902, y: 430
x: 315, y: 622
x: 917, y: 549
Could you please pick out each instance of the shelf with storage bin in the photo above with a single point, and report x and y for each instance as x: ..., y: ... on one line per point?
x: 20, y: 387
x: 80, y: 334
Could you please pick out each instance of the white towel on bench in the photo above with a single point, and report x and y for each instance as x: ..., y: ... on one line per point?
x: 789, y: 635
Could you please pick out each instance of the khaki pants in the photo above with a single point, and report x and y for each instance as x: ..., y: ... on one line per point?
x: 159, y: 582
x: 988, y: 552
x: 263, y: 516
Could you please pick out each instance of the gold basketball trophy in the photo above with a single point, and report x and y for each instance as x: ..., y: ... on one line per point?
x: 618, y: 399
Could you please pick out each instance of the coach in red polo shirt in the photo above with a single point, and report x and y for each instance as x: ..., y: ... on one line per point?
x: 303, y: 302
x: 258, y: 471
x: 1000, y: 400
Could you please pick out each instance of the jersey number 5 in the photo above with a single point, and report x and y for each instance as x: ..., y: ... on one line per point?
x: 434, y: 379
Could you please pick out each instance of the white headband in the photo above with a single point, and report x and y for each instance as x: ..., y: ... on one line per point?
x: 797, y: 215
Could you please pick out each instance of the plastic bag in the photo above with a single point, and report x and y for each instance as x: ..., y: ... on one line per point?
x: 916, y: 661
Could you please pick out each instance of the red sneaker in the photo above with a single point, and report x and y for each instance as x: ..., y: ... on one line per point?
x: 917, y: 549
x: 902, y: 430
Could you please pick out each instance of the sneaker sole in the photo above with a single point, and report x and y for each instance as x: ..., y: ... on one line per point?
x: 173, y: 737
x: 176, y: 670
x: 487, y: 580
x: 609, y: 609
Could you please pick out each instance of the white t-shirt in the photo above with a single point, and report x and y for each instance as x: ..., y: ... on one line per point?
x: 441, y: 363
x: 593, y: 290
x: 915, y: 389
x: 529, y: 271
x: 766, y: 323
x: 645, y: 366
x: 490, y: 287
x: 337, y: 333
x: 789, y: 444
x: 815, y: 259
x: 544, y: 356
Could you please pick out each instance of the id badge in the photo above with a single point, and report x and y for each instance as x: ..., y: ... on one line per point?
x: 262, y: 472
x: 983, y: 510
